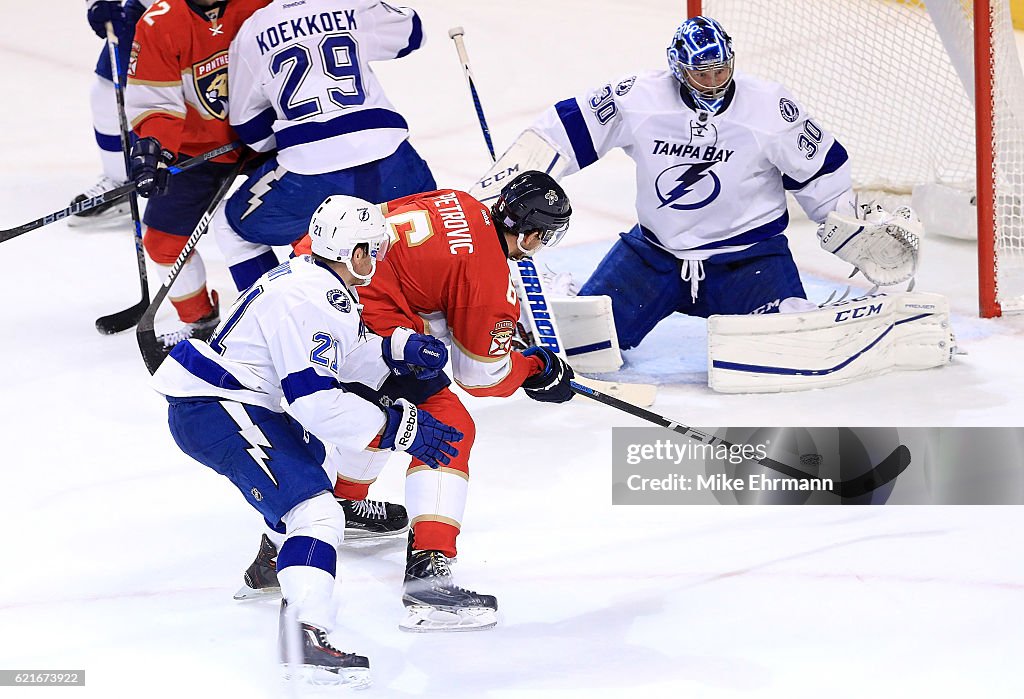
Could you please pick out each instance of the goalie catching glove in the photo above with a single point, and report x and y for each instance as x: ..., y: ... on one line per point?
x: 406, y: 352
x: 882, y: 245
x: 550, y: 385
x: 419, y: 434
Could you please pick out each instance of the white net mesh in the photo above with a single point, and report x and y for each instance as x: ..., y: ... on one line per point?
x: 893, y: 80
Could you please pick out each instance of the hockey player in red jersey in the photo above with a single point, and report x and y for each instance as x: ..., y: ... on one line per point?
x: 176, y: 100
x: 447, y: 275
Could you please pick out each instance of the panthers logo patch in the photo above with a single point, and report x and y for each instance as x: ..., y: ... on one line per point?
x: 210, y: 78
x: 501, y: 338
x: 340, y: 300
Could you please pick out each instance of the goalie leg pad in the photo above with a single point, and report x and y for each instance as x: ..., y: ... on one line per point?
x: 587, y: 332
x: 830, y: 346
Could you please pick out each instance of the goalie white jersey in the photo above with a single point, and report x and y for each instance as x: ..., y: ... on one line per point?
x: 706, y: 183
x: 294, y: 336
x: 301, y: 81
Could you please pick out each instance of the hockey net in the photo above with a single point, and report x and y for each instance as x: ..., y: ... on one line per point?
x: 895, y: 81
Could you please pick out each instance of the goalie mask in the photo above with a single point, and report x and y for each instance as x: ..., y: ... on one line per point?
x: 701, y: 58
x: 340, y: 224
x: 533, y: 202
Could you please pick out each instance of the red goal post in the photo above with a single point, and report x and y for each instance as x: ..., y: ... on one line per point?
x: 926, y: 95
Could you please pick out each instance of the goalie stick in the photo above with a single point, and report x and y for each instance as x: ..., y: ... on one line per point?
x: 456, y: 34
x: 110, y: 195
x: 545, y: 333
x: 886, y: 471
x: 153, y: 353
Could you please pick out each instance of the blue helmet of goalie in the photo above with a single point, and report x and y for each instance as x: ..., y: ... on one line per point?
x: 701, y: 57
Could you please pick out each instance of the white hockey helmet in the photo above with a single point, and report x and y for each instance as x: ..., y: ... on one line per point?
x: 341, y: 223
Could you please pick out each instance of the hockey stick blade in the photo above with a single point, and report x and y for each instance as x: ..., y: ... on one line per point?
x: 123, y: 320
x: 639, y: 394
x: 883, y: 473
x: 130, y: 317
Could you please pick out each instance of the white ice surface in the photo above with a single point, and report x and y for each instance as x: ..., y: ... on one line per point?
x: 122, y: 554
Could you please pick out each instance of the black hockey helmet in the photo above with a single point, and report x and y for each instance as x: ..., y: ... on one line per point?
x: 533, y: 201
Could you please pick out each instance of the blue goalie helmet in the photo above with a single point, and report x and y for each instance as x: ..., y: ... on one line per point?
x: 701, y: 57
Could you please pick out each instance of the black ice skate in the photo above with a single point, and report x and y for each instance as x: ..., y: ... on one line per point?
x: 260, y: 578
x: 434, y: 602
x: 201, y: 329
x: 365, y: 519
x: 106, y: 214
x: 307, y: 654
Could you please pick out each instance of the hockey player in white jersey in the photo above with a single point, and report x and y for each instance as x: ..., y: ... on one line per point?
x: 715, y: 153
x: 301, y: 82
x: 296, y: 338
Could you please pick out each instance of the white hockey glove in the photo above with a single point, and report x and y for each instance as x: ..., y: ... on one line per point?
x: 882, y: 245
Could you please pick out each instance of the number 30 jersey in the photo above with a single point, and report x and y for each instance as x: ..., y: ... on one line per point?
x: 302, y: 82
x: 706, y: 183
x: 296, y: 335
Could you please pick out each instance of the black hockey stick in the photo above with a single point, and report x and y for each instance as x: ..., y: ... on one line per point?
x: 456, y: 34
x: 122, y: 320
x: 153, y: 352
x: 885, y: 472
x: 110, y: 195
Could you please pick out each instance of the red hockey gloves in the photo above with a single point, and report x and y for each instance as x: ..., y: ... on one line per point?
x: 552, y: 384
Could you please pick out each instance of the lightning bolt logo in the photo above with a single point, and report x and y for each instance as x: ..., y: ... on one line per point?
x: 253, y: 435
x: 260, y: 188
x: 683, y: 183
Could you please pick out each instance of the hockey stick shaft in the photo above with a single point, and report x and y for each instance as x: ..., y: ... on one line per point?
x: 152, y: 353
x: 886, y: 471
x: 522, y: 266
x: 456, y: 34
x: 111, y: 195
x: 122, y: 320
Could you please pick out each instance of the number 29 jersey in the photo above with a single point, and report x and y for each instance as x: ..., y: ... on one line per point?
x: 302, y: 82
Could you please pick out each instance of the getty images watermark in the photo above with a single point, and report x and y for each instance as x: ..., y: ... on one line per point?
x: 653, y: 466
x: 662, y: 452
x: 818, y: 465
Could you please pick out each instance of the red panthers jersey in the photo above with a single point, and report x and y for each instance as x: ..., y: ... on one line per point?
x: 447, y: 274
x: 177, y: 88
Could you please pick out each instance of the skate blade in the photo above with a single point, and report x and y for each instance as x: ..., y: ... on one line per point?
x: 348, y: 678
x: 246, y: 593
x: 362, y: 534
x: 424, y: 619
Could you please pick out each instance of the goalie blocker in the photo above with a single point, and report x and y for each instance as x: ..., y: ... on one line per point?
x: 830, y: 346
